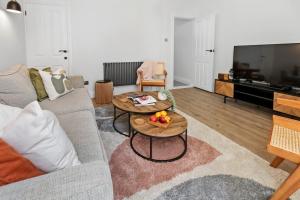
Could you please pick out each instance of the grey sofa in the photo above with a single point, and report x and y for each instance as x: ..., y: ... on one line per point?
x: 75, y: 111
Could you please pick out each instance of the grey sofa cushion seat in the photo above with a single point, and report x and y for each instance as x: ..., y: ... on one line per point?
x: 77, y: 100
x: 83, y: 182
x: 16, y: 88
x: 82, y: 130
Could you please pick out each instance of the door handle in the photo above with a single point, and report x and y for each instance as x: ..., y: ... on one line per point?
x: 63, y: 51
x: 210, y: 50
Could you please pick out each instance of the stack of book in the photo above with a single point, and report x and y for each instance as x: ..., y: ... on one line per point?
x: 142, y: 100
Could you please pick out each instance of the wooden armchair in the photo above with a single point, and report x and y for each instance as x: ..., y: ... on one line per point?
x: 285, y: 144
x: 158, y: 79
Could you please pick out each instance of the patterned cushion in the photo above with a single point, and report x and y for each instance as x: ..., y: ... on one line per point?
x: 56, y: 83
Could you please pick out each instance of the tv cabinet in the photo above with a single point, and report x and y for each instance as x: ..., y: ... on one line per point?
x: 286, y: 103
x: 262, y: 95
x: 256, y: 94
x: 224, y: 88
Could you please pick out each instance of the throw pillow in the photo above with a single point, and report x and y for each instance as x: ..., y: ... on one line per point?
x: 16, y: 88
x: 14, y: 167
x: 38, y: 84
x: 8, y: 114
x: 56, y: 83
x: 38, y: 136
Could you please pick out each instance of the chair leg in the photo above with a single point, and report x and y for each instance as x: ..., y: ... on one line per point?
x: 276, y: 162
x: 289, y: 186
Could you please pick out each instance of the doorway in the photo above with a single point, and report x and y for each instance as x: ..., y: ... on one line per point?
x: 184, y: 52
x: 193, y: 52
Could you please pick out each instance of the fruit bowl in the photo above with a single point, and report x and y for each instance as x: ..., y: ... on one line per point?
x: 160, y: 119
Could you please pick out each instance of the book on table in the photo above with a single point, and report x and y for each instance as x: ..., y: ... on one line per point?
x: 142, y: 100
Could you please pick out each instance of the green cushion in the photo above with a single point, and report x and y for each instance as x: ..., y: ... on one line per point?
x: 38, y: 84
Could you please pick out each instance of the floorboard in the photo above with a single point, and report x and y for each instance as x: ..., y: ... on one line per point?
x: 246, y: 124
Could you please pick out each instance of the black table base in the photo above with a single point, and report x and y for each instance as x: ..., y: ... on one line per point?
x: 150, y: 158
x: 116, y: 117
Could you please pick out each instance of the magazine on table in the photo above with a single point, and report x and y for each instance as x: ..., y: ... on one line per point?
x: 142, y: 100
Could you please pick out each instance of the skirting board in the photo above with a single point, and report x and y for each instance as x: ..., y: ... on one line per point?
x: 183, y: 80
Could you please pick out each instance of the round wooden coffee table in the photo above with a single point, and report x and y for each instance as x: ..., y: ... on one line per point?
x: 121, y: 102
x: 177, y: 128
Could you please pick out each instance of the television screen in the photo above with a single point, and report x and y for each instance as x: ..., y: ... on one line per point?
x: 277, y: 64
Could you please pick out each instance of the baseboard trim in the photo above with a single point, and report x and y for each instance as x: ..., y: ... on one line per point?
x: 183, y: 80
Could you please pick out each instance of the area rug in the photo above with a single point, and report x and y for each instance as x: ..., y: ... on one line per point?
x: 224, y: 187
x: 214, y: 167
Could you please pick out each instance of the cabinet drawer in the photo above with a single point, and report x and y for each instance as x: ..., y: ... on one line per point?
x: 224, y: 88
x: 287, y: 104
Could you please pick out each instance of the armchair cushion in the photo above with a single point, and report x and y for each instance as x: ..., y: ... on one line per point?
x: 151, y: 70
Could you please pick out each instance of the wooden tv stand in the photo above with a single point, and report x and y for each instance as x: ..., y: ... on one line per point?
x: 287, y: 102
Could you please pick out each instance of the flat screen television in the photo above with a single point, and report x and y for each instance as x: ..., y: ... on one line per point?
x: 275, y: 64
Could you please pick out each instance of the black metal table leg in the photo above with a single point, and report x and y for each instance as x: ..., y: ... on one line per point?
x: 129, y: 125
x: 115, y: 112
x: 186, y: 139
x: 150, y: 147
x: 182, y: 137
x: 116, y: 117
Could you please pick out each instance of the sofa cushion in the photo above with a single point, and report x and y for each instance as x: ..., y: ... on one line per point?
x: 16, y: 88
x: 39, y: 137
x: 91, y: 181
x: 7, y: 115
x: 56, y: 83
x: 82, y: 130
x: 77, y: 81
x: 38, y: 84
x: 13, y: 166
x: 74, y: 101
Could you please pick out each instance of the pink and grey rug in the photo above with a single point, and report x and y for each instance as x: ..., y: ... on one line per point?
x: 213, y: 168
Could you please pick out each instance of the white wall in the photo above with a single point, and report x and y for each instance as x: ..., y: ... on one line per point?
x: 242, y: 22
x: 134, y: 30
x: 184, y: 50
x: 114, y: 30
x: 12, y: 38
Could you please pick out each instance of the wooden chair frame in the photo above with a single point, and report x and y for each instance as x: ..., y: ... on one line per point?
x: 152, y: 83
x: 292, y: 183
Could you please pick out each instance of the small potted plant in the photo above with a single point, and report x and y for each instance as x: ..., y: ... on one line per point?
x: 164, y: 94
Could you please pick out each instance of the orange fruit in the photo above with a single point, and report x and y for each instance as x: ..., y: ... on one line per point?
x: 158, y: 115
x: 163, y: 113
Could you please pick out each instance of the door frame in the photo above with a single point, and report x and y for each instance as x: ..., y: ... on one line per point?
x: 172, y: 57
x: 66, y: 3
x: 172, y: 41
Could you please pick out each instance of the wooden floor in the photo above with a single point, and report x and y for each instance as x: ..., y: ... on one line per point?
x: 245, y: 124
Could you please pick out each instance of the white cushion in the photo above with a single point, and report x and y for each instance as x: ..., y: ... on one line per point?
x: 38, y: 136
x: 56, y: 83
x: 8, y: 114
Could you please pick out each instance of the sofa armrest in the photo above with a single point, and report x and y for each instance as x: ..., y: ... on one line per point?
x: 77, y: 81
x: 87, y: 181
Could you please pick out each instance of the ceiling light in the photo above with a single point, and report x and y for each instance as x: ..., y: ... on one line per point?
x: 14, y: 7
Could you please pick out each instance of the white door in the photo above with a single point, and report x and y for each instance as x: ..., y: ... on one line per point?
x: 205, y: 45
x: 47, y: 37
